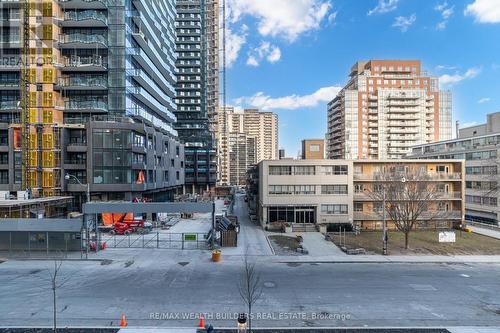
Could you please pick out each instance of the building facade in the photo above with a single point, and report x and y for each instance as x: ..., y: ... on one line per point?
x: 313, y: 149
x: 445, y: 177
x: 198, y: 90
x: 244, y: 139
x: 328, y: 193
x: 386, y: 107
x: 479, y: 146
x: 101, y: 99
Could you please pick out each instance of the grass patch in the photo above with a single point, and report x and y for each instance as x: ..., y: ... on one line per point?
x: 423, y: 243
x: 284, y: 245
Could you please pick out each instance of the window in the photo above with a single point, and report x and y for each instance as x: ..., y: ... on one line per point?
x: 314, y: 147
x: 358, y: 206
x: 358, y: 188
x: 280, y: 170
x: 333, y: 209
x: 292, y: 189
x: 334, y: 169
x: 377, y: 207
x: 441, y: 168
x: 304, y: 170
x: 334, y: 189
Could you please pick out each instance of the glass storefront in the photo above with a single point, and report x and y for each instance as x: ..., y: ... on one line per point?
x: 292, y: 214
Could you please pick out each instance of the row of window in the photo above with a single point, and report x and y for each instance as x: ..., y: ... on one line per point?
x: 307, y: 189
x: 479, y: 200
x: 334, y: 209
x: 481, y: 170
x: 483, y: 186
x: 286, y: 170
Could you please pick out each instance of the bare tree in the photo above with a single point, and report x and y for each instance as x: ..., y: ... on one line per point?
x: 56, y: 281
x: 407, y: 192
x: 249, y: 287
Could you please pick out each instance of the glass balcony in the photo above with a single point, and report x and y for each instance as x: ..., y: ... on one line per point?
x: 86, y: 105
x: 9, y: 105
x: 84, y: 81
x: 88, y: 63
x: 94, y: 17
x: 84, y: 4
x: 78, y: 40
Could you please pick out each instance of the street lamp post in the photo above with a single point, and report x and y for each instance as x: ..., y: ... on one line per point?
x: 68, y: 177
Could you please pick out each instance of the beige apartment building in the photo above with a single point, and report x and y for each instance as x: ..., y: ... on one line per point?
x: 313, y: 149
x: 387, y: 107
x: 480, y: 147
x: 328, y: 193
x: 244, y: 139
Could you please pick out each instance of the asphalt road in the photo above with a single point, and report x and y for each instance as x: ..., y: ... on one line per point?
x: 170, y: 288
x: 175, y: 284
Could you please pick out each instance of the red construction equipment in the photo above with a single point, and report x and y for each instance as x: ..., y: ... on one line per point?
x: 127, y: 227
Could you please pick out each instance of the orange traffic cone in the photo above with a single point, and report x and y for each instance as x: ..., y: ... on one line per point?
x: 202, y: 321
x: 123, y: 322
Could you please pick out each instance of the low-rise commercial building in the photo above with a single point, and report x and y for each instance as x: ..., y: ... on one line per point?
x: 479, y: 146
x: 329, y: 193
x: 313, y: 149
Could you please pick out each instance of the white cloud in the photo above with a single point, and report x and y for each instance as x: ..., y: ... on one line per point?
x: 332, y: 17
x: 484, y: 100
x: 234, y: 43
x: 446, y: 12
x: 384, y: 6
x: 484, y: 11
x: 251, y: 61
x: 281, y: 17
x: 274, y: 55
x: 403, y: 23
x: 266, y: 51
x: 292, y: 102
x: 448, y: 80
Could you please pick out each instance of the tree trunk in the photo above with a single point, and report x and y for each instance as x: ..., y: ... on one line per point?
x: 407, y: 233
x: 54, y: 309
x: 249, y: 318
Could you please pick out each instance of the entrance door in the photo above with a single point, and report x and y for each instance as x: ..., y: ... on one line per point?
x: 304, y: 215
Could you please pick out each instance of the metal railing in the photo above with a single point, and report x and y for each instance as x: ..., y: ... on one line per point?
x: 433, y: 215
x: 159, y: 240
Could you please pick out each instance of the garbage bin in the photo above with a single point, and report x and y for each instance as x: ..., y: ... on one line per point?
x: 216, y: 255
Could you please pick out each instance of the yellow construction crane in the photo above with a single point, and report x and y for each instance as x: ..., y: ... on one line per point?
x: 25, y: 87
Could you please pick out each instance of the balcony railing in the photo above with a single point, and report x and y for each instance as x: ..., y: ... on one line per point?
x: 365, y: 196
x: 85, y: 15
x: 83, y: 38
x: 87, y: 105
x: 430, y: 176
x: 9, y: 105
x: 77, y: 61
x: 83, y: 81
x: 431, y: 215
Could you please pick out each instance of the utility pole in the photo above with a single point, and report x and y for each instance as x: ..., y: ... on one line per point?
x: 384, y: 225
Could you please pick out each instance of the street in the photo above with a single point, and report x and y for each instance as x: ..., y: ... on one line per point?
x: 155, y: 287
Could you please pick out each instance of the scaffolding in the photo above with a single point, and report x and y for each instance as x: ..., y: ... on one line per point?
x: 41, y: 107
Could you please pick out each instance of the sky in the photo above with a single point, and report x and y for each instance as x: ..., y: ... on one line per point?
x: 292, y: 56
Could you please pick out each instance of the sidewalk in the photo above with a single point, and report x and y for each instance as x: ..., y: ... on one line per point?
x: 316, y: 245
x: 493, y: 259
x: 485, y: 232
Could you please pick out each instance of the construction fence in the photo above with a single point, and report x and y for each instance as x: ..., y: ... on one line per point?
x: 159, y: 240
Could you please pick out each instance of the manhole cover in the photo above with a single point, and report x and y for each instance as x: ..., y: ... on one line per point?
x: 269, y: 284
x: 183, y: 263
